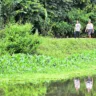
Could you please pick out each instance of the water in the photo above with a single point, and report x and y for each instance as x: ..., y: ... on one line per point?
x: 75, y: 87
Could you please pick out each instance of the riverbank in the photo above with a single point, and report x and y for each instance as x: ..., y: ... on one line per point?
x: 57, y: 59
x: 61, y: 48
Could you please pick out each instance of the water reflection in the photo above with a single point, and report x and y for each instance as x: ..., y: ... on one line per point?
x: 89, y: 83
x: 75, y: 87
x: 77, y: 84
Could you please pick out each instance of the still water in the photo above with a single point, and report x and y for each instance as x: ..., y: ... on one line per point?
x: 75, y: 87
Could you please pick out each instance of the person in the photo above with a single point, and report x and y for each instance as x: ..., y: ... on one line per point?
x: 89, y: 83
x: 89, y: 28
x: 77, y: 29
x: 77, y: 84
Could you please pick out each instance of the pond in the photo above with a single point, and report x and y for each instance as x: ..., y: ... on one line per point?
x: 73, y: 87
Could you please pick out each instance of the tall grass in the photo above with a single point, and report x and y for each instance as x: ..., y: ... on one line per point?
x: 62, y: 48
x: 21, y: 63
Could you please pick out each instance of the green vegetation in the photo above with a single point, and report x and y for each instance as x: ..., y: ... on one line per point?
x: 22, y: 63
x: 18, y: 39
x: 29, y: 61
x: 50, y: 18
x: 61, y: 48
x: 19, y: 72
x: 63, y: 61
x: 22, y: 89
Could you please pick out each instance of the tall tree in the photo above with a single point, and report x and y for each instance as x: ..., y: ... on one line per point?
x: 1, y: 20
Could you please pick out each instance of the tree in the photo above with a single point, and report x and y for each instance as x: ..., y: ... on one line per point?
x: 1, y: 19
x: 44, y: 14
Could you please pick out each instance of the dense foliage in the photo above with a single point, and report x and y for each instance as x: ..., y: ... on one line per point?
x: 50, y: 17
x: 18, y: 39
x: 54, y: 59
x: 22, y: 63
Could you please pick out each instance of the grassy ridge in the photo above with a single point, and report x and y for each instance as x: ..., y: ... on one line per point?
x: 58, y: 56
x: 62, y: 48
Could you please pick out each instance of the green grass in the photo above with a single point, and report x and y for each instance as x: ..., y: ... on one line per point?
x: 22, y: 63
x: 56, y: 59
x: 39, y: 64
x: 62, y: 48
x: 57, y: 56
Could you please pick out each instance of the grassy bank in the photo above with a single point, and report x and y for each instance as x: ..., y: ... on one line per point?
x: 62, y: 48
x: 57, y: 59
x: 22, y: 63
x: 40, y: 67
x: 56, y: 56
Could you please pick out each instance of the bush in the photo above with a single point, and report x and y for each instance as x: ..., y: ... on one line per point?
x: 18, y: 39
x: 2, y: 34
x: 63, y: 29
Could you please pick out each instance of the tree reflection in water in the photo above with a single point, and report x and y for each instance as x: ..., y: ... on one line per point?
x: 75, y: 87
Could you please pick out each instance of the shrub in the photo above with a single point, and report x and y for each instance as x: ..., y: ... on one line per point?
x: 18, y: 39
x: 62, y: 29
x: 2, y: 34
